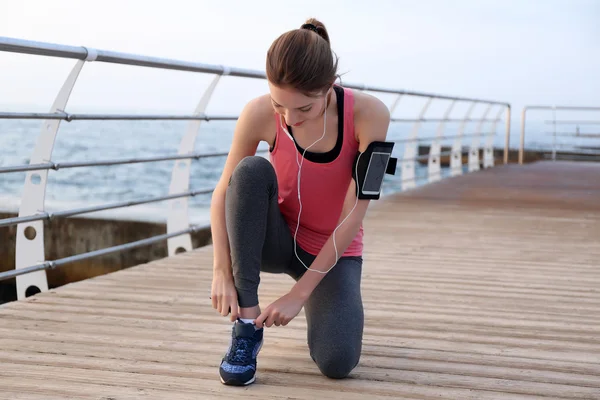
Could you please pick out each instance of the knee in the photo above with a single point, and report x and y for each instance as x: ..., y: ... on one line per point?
x: 337, y: 364
x: 251, y: 173
x: 252, y: 179
x: 253, y: 167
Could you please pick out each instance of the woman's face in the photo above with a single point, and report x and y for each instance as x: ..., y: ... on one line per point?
x: 295, y: 107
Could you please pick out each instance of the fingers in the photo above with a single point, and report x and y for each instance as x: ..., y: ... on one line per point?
x: 265, y: 318
x: 225, y: 302
x: 233, y: 306
x: 234, y: 311
x: 273, y: 319
x: 219, y: 303
x: 270, y: 317
x: 224, y: 306
x: 259, y: 321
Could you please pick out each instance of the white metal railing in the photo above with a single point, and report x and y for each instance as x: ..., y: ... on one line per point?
x: 569, y: 128
x: 30, y: 264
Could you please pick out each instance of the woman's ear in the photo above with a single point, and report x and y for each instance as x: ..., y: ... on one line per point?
x: 329, y: 89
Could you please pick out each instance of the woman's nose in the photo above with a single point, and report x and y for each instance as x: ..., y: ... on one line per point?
x: 291, y: 118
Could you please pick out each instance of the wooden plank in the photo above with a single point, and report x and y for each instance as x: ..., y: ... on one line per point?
x: 485, y: 286
x: 275, y: 384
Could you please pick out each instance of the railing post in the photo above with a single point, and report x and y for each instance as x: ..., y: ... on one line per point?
x: 434, y: 163
x: 488, y: 152
x: 456, y: 156
x: 554, y: 133
x: 30, y: 235
x: 178, y: 218
x: 395, y: 104
x: 474, y: 150
x: 410, y: 151
x: 507, y: 137
x: 522, y: 144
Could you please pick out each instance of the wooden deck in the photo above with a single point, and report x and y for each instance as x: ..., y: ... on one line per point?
x: 485, y: 286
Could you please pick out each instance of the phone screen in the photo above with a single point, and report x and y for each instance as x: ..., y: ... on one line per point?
x: 375, y: 172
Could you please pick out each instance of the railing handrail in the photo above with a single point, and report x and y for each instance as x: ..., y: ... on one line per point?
x: 143, y: 117
x: 555, y: 122
x: 44, y: 215
x: 89, y: 54
x: 84, y: 53
x: 64, y: 116
x: 564, y: 108
x: 78, y: 164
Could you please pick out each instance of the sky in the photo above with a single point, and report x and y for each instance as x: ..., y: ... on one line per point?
x: 517, y: 51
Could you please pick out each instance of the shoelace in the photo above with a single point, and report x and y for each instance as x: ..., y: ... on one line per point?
x: 243, y: 350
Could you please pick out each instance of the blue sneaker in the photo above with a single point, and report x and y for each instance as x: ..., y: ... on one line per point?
x: 238, y: 367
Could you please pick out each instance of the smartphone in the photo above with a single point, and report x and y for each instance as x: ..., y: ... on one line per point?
x: 376, y: 171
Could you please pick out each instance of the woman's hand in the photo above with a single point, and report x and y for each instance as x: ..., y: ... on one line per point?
x: 223, y: 293
x: 281, y: 312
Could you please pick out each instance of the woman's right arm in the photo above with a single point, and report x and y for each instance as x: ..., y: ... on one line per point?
x: 250, y: 129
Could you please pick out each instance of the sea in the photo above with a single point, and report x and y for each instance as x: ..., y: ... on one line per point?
x: 107, y: 140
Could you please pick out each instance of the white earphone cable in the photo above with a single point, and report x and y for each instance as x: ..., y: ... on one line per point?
x: 299, y: 163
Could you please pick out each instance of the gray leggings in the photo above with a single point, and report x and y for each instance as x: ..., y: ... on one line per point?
x: 260, y: 240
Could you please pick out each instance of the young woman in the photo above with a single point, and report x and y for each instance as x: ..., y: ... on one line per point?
x: 261, y: 223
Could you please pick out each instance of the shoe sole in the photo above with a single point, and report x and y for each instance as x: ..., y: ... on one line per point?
x: 235, y: 382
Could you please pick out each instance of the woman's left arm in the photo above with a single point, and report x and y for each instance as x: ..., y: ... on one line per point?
x: 371, y: 122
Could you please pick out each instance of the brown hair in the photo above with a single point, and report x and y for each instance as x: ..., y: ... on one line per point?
x: 302, y: 59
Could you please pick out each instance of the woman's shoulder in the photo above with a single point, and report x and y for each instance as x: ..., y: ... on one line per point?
x: 371, y: 117
x: 367, y: 106
x: 259, y: 109
x: 257, y: 116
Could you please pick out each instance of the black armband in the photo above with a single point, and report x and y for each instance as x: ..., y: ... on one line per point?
x: 370, y: 167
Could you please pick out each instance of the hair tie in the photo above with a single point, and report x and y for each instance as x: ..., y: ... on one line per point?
x: 310, y: 27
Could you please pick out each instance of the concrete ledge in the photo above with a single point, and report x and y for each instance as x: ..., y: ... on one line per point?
x: 70, y: 236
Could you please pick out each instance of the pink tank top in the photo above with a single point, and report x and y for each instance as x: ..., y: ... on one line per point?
x: 323, y: 185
